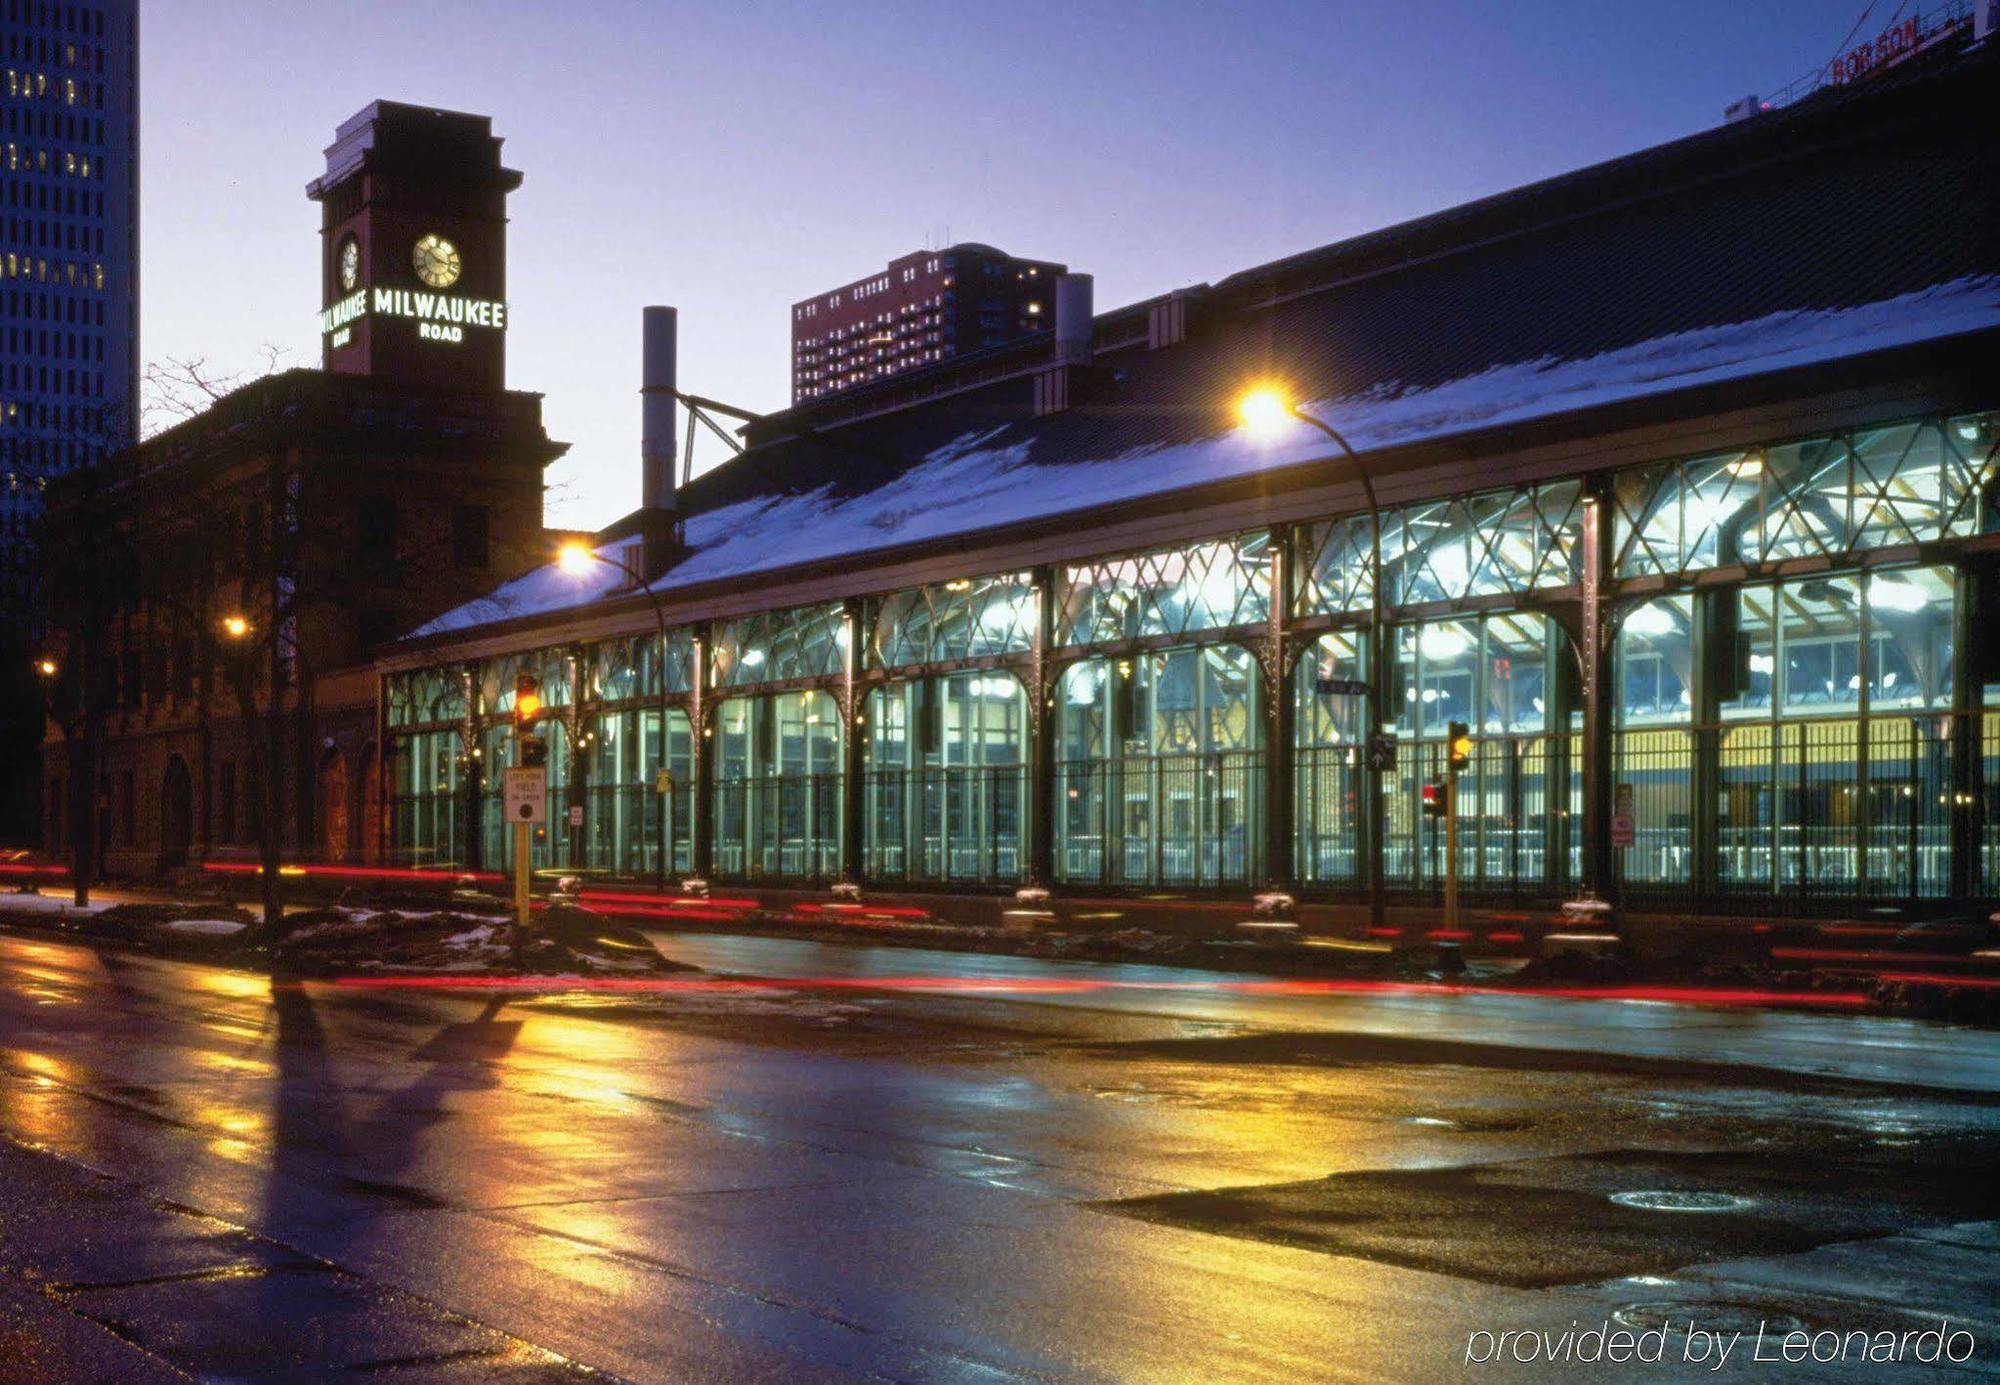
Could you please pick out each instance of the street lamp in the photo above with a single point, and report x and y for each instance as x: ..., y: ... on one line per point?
x: 47, y: 668
x: 236, y: 627
x: 1267, y: 410
x: 575, y: 559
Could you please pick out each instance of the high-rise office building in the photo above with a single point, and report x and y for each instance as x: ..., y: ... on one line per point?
x: 69, y: 304
x: 924, y: 307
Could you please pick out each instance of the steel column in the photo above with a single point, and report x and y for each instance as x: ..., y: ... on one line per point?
x: 1281, y: 847
x: 852, y: 718
x: 1041, y: 735
x: 1599, y: 879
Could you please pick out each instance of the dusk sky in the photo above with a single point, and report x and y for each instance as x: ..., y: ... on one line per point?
x: 733, y: 158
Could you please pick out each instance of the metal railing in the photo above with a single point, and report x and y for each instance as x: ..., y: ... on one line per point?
x: 622, y: 828
x: 1187, y: 820
x: 954, y: 824
x: 1519, y: 803
x: 786, y: 827
x: 1804, y: 810
x: 1931, y: 27
x: 1329, y: 796
x: 427, y: 829
x: 1655, y: 766
x: 1839, y: 808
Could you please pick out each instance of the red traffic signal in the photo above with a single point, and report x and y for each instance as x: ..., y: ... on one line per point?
x: 1436, y: 796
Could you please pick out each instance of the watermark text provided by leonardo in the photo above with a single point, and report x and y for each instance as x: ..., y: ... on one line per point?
x: 1688, y: 1342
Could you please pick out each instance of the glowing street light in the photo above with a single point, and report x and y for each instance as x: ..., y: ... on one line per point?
x: 46, y: 667
x: 575, y: 558
x: 236, y: 627
x: 1266, y: 410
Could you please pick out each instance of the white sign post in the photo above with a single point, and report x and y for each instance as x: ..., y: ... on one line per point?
x: 527, y: 795
x: 525, y: 802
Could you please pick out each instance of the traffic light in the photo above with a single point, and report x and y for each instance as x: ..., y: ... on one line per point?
x: 534, y: 752
x: 1458, y: 746
x: 527, y: 699
x: 1435, y: 794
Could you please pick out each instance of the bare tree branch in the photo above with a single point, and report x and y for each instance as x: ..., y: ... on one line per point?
x: 179, y: 388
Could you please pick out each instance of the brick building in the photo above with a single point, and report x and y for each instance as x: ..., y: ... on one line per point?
x: 925, y: 307
x: 272, y: 541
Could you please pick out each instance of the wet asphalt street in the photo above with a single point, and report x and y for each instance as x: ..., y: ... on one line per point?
x: 972, y: 1169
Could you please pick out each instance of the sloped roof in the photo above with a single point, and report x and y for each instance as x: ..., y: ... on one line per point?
x: 1853, y: 223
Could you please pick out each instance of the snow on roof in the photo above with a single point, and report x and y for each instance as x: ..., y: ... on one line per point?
x: 974, y: 483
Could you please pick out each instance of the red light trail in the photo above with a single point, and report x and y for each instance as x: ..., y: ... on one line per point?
x: 1063, y: 985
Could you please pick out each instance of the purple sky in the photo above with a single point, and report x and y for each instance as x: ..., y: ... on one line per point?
x: 731, y: 158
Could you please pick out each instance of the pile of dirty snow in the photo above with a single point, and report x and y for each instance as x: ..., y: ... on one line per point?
x: 563, y: 940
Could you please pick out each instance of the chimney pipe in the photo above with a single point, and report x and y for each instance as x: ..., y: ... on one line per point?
x: 1075, y: 324
x: 656, y: 405
x: 660, y: 505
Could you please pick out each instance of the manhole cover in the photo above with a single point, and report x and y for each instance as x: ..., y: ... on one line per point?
x: 1670, y: 1200
x: 1710, y: 1315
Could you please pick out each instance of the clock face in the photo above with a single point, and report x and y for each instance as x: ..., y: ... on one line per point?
x: 436, y: 261
x: 350, y: 264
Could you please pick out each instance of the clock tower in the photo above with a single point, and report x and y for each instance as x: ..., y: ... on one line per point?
x: 413, y: 257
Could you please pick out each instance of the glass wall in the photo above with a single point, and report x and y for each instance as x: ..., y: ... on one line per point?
x: 781, y: 646
x: 1835, y: 744
x: 1158, y: 779
x: 1821, y: 497
x: 1790, y: 737
x: 777, y: 795
x: 1498, y: 674
x: 1654, y: 745
x: 1330, y: 730
x: 971, y: 618
x: 1170, y: 592
x: 635, y: 667
x: 425, y: 696
x: 428, y: 804
x: 945, y: 792
x: 632, y: 814
x: 553, y: 667
x: 1493, y: 543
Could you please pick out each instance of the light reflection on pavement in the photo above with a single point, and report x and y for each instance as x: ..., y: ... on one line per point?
x: 849, y: 1184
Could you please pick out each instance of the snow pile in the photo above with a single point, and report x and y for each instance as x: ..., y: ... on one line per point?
x: 562, y: 940
x: 972, y: 483
x: 214, y: 928
x: 49, y: 904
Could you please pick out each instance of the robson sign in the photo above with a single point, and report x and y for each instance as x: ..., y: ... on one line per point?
x: 439, y: 316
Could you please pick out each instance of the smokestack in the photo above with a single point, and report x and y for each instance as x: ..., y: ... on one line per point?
x: 1075, y: 324
x: 660, y: 505
x: 656, y: 405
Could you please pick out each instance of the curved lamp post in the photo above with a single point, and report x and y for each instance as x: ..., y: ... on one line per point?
x: 1266, y: 410
x: 575, y: 559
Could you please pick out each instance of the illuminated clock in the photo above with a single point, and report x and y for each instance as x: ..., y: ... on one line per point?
x: 350, y: 264
x: 436, y: 261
